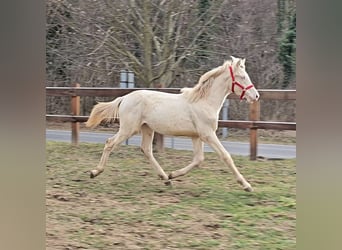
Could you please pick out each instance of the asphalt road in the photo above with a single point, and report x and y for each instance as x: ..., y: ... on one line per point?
x: 234, y: 148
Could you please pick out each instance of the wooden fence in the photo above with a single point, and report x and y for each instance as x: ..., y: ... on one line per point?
x: 253, y: 124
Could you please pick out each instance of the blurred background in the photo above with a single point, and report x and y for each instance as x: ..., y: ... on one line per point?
x: 170, y: 44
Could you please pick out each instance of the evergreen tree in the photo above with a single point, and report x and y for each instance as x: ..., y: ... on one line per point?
x: 287, y: 52
x: 55, y: 40
x: 203, y: 6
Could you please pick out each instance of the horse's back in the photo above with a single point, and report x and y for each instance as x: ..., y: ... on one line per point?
x: 165, y: 113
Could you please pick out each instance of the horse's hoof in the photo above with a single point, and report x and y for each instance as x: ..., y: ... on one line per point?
x: 168, y: 183
x: 248, y: 189
x: 93, y: 173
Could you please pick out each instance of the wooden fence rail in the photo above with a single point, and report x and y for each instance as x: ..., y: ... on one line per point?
x: 269, y: 94
x: 253, y: 124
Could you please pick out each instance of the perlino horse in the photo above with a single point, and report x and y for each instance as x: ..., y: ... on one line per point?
x: 193, y: 113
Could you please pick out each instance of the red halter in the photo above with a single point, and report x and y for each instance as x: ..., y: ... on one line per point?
x: 238, y: 84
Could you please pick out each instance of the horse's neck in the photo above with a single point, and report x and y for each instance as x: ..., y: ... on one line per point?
x: 218, y: 93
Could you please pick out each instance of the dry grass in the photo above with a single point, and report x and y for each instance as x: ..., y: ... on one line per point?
x: 127, y: 207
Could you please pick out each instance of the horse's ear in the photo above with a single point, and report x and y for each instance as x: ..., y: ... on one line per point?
x: 238, y: 62
x: 243, y: 61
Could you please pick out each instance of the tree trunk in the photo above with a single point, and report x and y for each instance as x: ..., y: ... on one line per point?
x: 147, y: 43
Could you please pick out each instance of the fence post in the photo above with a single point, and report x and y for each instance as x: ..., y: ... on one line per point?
x: 225, y: 117
x: 254, y: 115
x: 159, y: 142
x: 75, y: 110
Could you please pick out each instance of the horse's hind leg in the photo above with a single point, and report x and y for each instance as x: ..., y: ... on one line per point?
x: 198, y: 159
x: 146, y: 147
x: 111, y: 144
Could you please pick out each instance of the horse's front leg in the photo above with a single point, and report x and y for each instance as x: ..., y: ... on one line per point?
x: 197, y: 160
x: 215, y: 143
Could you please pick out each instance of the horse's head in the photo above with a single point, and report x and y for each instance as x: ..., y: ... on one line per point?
x: 241, y: 83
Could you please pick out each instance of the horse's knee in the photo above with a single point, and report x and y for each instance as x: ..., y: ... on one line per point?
x: 107, y: 143
x: 108, y: 148
x: 110, y: 139
x: 199, y: 160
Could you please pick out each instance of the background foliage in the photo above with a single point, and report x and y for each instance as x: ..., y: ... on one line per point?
x: 170, y: 44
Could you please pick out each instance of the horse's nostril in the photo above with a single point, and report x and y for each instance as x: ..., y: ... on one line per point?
x: 257, y: 96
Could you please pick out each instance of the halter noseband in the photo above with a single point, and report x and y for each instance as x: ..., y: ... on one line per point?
x: 238, y: 84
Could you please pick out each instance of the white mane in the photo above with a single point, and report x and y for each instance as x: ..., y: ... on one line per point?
x: 201, y: 89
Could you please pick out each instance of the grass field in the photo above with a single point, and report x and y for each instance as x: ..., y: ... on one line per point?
x: 128, y: 207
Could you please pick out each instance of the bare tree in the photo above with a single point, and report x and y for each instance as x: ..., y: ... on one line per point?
x: 165, y: 43
x: 151, y: 38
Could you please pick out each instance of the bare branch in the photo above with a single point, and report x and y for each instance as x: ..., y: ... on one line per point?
x: 108, y: 33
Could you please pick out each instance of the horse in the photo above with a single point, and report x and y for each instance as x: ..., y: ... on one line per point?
x: 193, y: 113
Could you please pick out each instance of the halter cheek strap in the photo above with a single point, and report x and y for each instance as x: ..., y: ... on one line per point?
x: 244, y: 89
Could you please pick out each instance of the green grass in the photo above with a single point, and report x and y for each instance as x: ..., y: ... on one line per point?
x: 128, y: 207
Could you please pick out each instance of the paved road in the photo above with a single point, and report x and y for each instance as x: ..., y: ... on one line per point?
x: 235, y: 148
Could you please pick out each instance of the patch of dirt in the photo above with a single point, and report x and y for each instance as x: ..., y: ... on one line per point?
x: 69, y: 216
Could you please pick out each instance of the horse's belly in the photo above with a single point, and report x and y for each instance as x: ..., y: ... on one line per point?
x: 172, y: 125
x: 177, y: 132
x: 169, y: 115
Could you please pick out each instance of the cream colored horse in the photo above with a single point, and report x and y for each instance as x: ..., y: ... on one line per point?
x: 193, y: 113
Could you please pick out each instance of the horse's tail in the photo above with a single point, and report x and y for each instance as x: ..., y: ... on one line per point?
x: 104, y: 111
